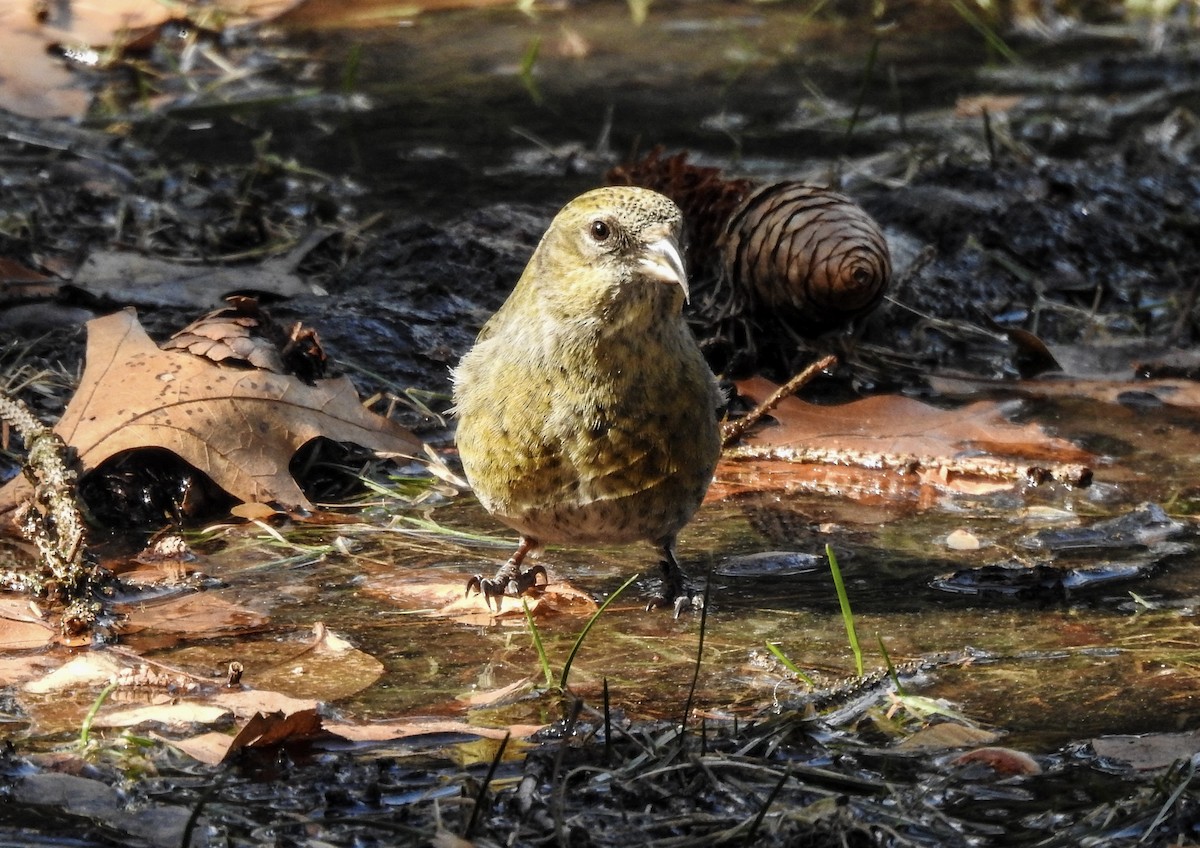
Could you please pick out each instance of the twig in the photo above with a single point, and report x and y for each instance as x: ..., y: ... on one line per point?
x: 734, y: 430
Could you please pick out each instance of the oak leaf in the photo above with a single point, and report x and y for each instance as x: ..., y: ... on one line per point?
x: 240, y: 427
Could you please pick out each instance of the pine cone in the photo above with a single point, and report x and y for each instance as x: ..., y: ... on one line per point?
x: 769, y: 263
x: 809, y: 255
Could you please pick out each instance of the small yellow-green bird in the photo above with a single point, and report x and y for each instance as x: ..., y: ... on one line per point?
x: 586, y: 412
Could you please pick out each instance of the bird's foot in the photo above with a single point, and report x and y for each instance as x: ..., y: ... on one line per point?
x: 683, y: 601
x: 675, y: 591
x: 509, y: 580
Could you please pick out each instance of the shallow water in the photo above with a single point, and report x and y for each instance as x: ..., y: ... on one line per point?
x: 439, y: 117
x: 446, y: 123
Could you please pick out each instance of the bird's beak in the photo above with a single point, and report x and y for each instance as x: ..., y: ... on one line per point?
x: 661, y: 261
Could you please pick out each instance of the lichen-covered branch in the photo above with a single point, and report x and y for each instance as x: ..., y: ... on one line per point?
x: 51, y: 521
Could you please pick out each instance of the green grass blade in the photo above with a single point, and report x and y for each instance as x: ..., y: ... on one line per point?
x: 789, y: 665
x: 868, y: 73
x: 847, y: 615
x: 537, y: 644
x: 891, y: 669
x: 977, y: 23
x: 562, y: 680
x: 85, y: 730
x: 528, y: 62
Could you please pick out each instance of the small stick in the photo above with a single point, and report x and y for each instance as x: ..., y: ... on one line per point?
x: 734, y: 430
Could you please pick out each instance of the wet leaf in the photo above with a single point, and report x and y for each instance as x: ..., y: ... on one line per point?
x: 1151, y: 751
x: 209, y: 748
x: 20, y: 628
x: 170, y: 714
x: 248, y: 702
x: 423, y: 726
x: 202, y: 613
x: 1005, y: 762
x: 327, y: 669
x: 82, y: 672
x: 239, y: 427
x: 275, y: 729
x: 945, y: 735
x: 445, y: 595
x: 132, y: 278
x: 889, y: 446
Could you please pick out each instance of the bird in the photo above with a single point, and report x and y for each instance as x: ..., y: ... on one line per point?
x: 586, y: 413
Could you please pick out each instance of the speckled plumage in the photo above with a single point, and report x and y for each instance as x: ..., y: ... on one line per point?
x: 587, y: 413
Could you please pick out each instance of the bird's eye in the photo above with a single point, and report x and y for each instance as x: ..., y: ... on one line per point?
x: 600, y: 231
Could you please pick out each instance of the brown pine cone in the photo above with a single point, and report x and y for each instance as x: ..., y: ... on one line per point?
x: 807, y: 254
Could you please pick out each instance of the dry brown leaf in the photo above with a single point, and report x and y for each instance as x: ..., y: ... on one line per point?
x: 270, y: 730
x: 888, y: 446
x: 262, y: 730
x: 20, y: 628
x: 239, y: 427
x: 208, y: 748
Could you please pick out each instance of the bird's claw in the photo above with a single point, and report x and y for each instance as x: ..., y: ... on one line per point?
x: 685, y: 600
x: 509, y: 580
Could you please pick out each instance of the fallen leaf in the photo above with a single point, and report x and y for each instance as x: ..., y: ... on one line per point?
x: 327, y: 669
x: 18, y: 669
x: 423, y: 726
x: 140, y: 280
x: 273, y: 730
x: 887, y: 446
x: 200, y: 613
x: 82, y: 672
x: 209, y: 748
x: 248, y: 702
x: 1004, y: 762
x: 177, y: 714
x: 504, y: 695
x: 239, y: 427
x: 445, y: 595
x: 945, y: 735
x: 1150, y: 751
x: 20, y: 629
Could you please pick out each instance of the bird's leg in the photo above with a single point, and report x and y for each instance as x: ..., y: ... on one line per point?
x: 674, y: 592
x: 510, y: 579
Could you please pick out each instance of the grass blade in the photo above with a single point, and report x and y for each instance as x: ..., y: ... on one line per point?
x: 847, y: 614
x: 537, y: 644
x: 562, y: 680
x: 789, y: 665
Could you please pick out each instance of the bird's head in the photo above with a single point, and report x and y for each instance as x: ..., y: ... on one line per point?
x: 612, y: 254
